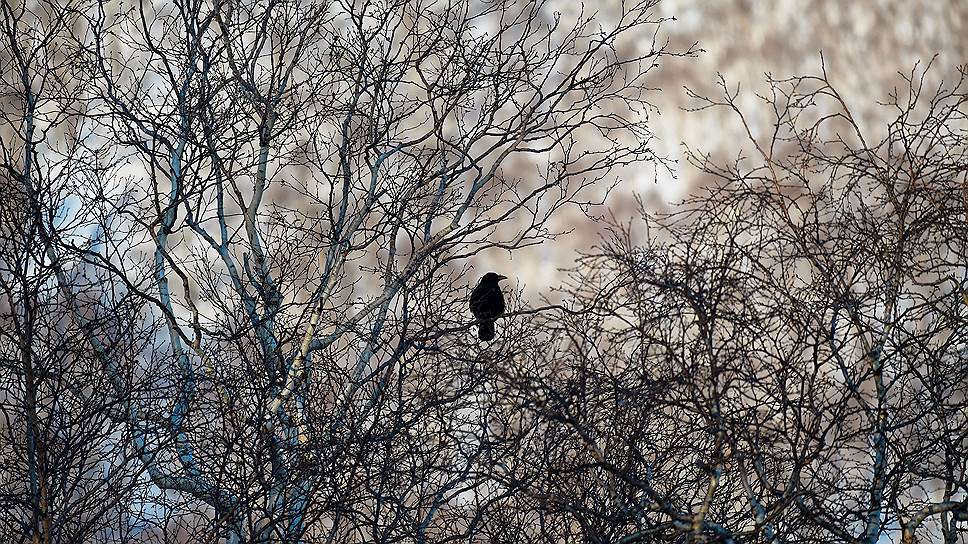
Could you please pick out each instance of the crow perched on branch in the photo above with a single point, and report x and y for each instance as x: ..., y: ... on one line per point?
x: 487, y: 303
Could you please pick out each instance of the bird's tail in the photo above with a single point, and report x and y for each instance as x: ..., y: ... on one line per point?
x: 485, y: 330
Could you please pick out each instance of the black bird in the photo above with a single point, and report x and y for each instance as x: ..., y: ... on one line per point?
x: 487, y: 303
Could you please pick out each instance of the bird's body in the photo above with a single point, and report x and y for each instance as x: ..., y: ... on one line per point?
x: 487, y: 304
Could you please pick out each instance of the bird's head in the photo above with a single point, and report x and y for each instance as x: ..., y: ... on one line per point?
x: 492, y: 277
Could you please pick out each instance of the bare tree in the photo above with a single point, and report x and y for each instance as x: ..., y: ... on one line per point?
x: 252, y: 252
x: 783, y: 360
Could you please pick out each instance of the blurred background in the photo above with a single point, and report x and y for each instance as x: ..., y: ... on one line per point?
x: 865, y: 43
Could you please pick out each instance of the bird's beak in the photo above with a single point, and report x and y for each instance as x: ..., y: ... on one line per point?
x: 500, y: 277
